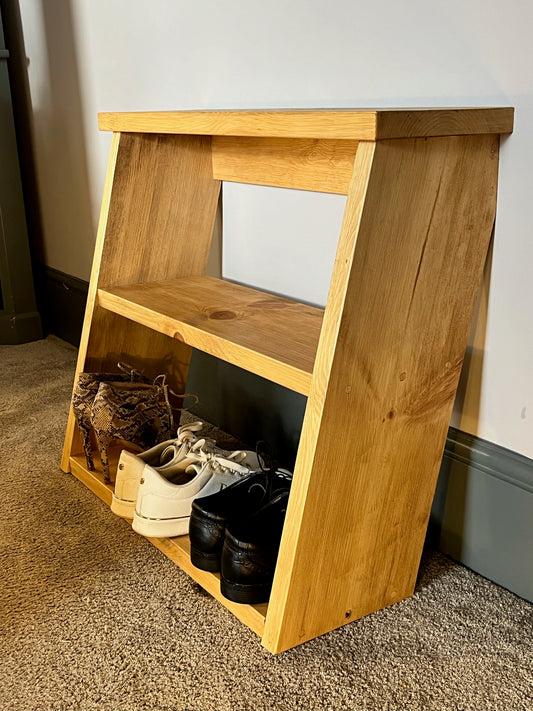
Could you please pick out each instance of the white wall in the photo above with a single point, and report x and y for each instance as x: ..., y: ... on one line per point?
x: 110, y: 55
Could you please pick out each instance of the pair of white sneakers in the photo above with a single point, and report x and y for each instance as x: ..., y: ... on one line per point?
x: 156, y: 488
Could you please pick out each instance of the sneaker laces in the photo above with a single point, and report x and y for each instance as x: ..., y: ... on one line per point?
x: 131, y: 371
x: 232, y: 462
x: 186, y: 433
x: 185, y: 445
x: 217, y: 463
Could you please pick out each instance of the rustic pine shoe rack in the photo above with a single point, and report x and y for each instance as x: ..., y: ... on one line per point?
x: 379, y: 365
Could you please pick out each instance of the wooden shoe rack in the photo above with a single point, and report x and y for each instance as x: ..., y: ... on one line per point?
x: 379, y: 365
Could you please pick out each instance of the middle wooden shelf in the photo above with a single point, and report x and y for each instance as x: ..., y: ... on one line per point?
x: 268, y: 335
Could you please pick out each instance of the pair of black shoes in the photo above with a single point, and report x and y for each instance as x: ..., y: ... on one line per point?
x: 237, y: 532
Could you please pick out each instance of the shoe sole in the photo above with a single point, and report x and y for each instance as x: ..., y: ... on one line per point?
x: 122, y: 507
x: 160, y: 528
x: 205, y: 561
x: 245, y: 594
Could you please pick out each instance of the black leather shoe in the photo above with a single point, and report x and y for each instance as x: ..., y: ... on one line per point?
x: 250, y: 552
x: 211, y: 514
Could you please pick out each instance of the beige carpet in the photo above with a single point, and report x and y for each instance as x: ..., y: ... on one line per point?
x: 93, y: 617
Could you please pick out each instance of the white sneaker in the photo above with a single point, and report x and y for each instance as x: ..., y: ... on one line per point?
x: 163, y: 455
x: 163, y: 507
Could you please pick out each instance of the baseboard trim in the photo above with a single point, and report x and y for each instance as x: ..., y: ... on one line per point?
x: 64, y: 298
x: 490, y: 458
x: 482, y: 514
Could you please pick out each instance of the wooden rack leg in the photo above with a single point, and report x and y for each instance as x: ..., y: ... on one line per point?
x: 400, y: 318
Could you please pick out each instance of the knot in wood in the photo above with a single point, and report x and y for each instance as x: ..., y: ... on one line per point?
x: 223, y: 315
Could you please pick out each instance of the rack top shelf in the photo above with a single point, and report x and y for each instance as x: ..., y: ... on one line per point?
x: 355, y: 124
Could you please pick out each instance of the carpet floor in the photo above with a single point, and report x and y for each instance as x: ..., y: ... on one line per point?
x: 92, y: 616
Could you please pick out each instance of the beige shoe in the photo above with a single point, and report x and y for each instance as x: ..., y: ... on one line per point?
x: 164, y: 503
x: 170, y: 456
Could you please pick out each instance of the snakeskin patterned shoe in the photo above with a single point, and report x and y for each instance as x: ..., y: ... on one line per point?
x: 84, y: 395
x: 131, y: 412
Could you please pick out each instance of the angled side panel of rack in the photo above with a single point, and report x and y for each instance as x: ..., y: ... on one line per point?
x: 72, y: 440
x: 377, y: 415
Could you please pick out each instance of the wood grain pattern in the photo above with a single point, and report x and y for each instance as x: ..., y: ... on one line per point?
x: 273, y: 337
x: 367, y: 466
x: 351, y: 124
x: 162, y: 210
x: 159, y: 226
x: 411, y: 123
x: 305, y: 164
